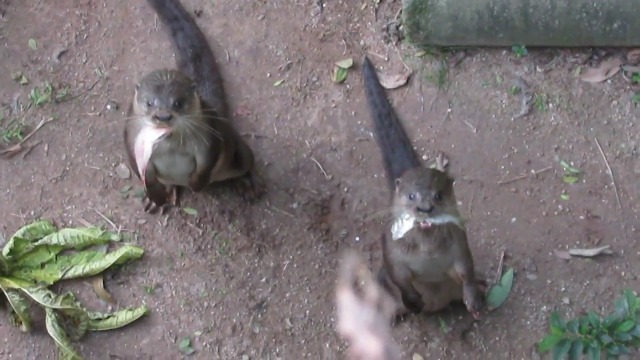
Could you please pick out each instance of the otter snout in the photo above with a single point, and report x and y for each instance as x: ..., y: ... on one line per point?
x: 427, y: 209
x: 163, y: 115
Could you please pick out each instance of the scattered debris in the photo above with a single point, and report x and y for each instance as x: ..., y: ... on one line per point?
x: 591, y: 252
x: 610, y: 172
x: 278, y: 83
x: 571, y: 173
x: 13, y: 150
x: 526, y: 97
x: 394, y: 81
x: 604, y: 71
x: 185, y: 347
x: 524, y: 176
x: 33, y: 44
x: 190, y: 211
x: 19, y: 77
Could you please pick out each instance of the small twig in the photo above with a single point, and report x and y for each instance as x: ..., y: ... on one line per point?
x: 29, y: 148
x: 280, y: 210
x: 613, y: 180
x: 500, y: 264
x: 15, y: 149
x: 524, y: 176
x: 107, y: 220
x: 321, y: 169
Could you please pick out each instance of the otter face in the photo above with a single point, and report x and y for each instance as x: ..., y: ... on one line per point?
x: 427, y: 196
x: 164, y: 96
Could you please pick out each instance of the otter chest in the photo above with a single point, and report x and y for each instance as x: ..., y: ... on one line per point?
x: 174, y: 164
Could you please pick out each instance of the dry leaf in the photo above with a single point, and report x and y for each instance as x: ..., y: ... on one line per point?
x: 603, y: 72
x: 591, y: 252
x: 564, y: 255
x: 394, y: 81
x: 101, y: 292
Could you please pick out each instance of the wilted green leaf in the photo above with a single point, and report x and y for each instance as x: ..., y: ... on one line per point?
x: 570, y: 169
x: 549, y: 342
x: 190, y: 211
x: 577, y: 349
x: 278, y: 83
x: 75, y: 322
x: 49, y: 299
x: 7, y: 282
x: 570, y: 179
x: 561, y: 349
x: 345, y: 64
x: 56, y: 331
x: 339, y: 75
x: 20, y: 306
x: 185, y: 347
x: 118, y: 319
x: 78, y: 238
x: 33, y: 44
x: 17, y: 244
x: 37, y: 256
x: 500, y: 292
x: 89, y: 263
x: 4, y: 266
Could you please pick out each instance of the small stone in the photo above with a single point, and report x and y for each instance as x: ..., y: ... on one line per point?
x: 141, y: 221
x: 111, y: 106
x: 123, y: 171
x: 565, y: 300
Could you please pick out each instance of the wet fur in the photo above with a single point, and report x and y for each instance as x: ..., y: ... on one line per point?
x: 430, y: 265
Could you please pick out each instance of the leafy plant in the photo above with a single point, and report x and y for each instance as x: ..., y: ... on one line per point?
x: 40, y: 96
x: 519, y: 50
x: 13, y: 131
x: 39, y: 255
x: 592, y: 335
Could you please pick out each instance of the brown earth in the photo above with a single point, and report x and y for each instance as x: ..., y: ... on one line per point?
x: 257, y: 280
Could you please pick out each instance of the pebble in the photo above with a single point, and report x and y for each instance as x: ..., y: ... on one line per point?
x: 123, y: 171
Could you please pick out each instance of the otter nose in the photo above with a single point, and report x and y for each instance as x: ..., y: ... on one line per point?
x: 424, y: 209
x: 163, y: 115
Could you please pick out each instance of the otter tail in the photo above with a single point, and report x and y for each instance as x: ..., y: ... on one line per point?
x: 193, y: 54
x: 397, y: 152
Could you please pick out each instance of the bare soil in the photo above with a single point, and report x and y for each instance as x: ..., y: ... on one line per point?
x: 256, y: 281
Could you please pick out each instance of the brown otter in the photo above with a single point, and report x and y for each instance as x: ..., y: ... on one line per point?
x: 427, y: 263
x: 177, y: 133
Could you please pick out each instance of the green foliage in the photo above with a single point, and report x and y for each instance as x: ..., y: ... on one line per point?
x: 39, y: 255
x: 592, y: 335
x: 519, y: 50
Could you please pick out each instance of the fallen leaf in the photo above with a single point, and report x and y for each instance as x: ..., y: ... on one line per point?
x: 500, y: 292
x: 564, y: 196
x: 561, y: 254
x: 190, y: 211
x: 605, y: 71
x: 278, y: 83
x: 32, y: 44
x: 394, y: 81
x: 185, y: 347
x: 345, y: 64
x: 123, y: 171
x: 339, y: 75
x: 591, y: 252
x: 101, y: 292
x: 570, y: 169
x: 570, y: 179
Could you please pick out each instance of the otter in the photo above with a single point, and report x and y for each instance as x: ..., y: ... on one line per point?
x: 426, y: 260
x: 177, y: 133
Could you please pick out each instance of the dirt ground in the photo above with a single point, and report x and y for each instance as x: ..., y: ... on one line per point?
x: 256, y: 281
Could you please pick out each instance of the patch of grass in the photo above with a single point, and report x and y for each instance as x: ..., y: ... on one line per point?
x: 13, y: 131
x: 514, y: 90
x: 540, y: 102
x: 635, y: 78
x: 519, y: 50
x: 594, y: 335
x: 41, y: 95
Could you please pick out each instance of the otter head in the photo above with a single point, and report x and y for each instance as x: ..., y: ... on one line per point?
x: 165, y: 97
x: 425, y: 197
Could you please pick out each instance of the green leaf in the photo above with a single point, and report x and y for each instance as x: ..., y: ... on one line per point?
x: 185, y: 347
x: 623, y: 337
x: 345, y: 64
x: 78, y: 238
x: 605, y: 339
x: 548, y: 342
x: 557, y: 324
x: 594, y: 352
x: 118, y: 319
x: 500, y: 292
x: 89, y: 263
x: 38, y: 256
x: 33, y: 44
x: 632, y: 300
x: 20, y: 307
x: 4, y: 266
x: 339, y: 75
x: 570, y: 179
x: 594, y: 319
x: 572, y: 326
x: 190, y: 211
x: 75, y: 322
x: 17, y: 244
x: 561, y: 350
x: 625, y: 326
x: 56, y: 331
x: 636, y: 331
x: 569, y: 169
x: 278, y: 83
x: 7, y: 282
x: 49, y: 299
x: 564, y: 196
x: 577, y: 349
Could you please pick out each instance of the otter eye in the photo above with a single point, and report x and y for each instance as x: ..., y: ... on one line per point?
x: 177, y: 104
x: 437, y: 196
x: 412, y: 196
x: 149, y: 104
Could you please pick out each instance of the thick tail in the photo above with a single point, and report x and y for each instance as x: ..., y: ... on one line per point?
x: 193, y: 54
x: 396, y: 148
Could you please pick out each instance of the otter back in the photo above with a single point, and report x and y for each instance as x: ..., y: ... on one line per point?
x: 395, y: 146
x: 193, y: 54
